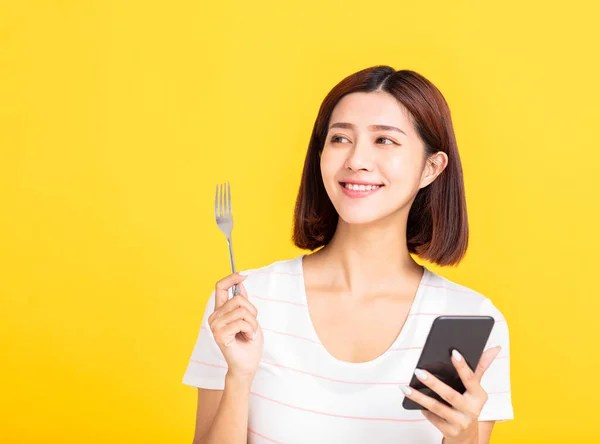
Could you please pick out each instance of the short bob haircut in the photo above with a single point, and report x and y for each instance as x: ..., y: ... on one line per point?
x: 437, y: 228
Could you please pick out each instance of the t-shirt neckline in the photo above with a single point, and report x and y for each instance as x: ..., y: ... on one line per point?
x: 402, y: 336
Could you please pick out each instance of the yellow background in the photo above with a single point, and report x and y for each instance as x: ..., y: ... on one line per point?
x: 117, y: 118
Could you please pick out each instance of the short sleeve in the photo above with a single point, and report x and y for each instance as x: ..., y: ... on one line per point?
x: 496, y: 379
x: 207, y: 366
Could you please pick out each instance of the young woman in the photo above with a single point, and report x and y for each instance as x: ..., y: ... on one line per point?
x: 320, y: 348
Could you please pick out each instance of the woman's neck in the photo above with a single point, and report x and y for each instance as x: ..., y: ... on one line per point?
x: 367, y: 258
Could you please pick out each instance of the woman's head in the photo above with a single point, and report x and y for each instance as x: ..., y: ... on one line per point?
x: 390, y: 131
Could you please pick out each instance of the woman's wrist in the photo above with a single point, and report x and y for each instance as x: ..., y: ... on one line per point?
x: 239, y: 381
x: 473, y: 440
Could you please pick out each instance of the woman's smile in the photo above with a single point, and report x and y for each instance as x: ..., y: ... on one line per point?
x: 359, y: 189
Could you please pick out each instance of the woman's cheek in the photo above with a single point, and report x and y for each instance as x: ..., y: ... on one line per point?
x: 402, y: 169
x: 396, y: 170
x: 329, y: 165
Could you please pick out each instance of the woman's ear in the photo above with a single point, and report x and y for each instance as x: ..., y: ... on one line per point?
x: 434, y: 165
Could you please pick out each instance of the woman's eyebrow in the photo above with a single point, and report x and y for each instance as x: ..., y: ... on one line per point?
x: 372, y: 127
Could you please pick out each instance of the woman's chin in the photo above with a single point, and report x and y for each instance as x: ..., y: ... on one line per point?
x: 359, y: 218
x: 365, y: 215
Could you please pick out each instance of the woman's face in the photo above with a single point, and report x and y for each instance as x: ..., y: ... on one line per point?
x: 373, y: 162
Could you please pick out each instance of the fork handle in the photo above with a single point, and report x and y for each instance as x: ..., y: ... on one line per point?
x: 236, y: 289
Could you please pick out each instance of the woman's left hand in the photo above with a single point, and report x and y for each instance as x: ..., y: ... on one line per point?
x: 458, y: 423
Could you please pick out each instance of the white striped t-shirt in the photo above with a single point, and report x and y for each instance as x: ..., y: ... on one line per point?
x: 302, y: 394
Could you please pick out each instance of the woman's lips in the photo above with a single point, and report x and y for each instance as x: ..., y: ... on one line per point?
x: 358, y: 193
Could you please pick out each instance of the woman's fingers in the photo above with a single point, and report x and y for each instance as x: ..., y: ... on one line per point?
x: 243, y: 290
x: 433, y: 405
x: 485, y: 361
x: 446, y: 392
x: 467, y: 376
x: 234, y: 315
x: 238, y: 307
x: 222, y: 288
x: 441, y: 424
x: 228, y: 312
x: 233, y: 303
x: 226, y: 334
x: 464, y: 409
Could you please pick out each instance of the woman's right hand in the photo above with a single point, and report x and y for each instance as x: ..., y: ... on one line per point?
x: 233, y: 324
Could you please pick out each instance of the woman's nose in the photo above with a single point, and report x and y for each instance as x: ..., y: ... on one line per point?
x: 360, y: 157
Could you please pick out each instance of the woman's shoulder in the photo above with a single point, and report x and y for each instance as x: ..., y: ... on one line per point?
x: 282, y: 267
x: 459, y: 298
x: 280, y: 270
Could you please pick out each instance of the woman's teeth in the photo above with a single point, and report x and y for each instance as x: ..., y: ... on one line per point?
x: 355, y: 187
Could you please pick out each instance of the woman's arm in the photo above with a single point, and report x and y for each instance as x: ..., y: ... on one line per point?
x: 222, y: 416
x: 485, y: 431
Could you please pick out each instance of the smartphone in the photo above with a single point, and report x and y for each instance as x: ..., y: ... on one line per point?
x: 467, y: 334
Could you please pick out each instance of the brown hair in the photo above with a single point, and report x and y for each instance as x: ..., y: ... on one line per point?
x: 437, y: 228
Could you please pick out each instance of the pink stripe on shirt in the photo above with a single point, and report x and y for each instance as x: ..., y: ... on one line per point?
x: 314, y: 375
x: 291, y: 335
x: 277, y: 300
x: 397, y: 349
x: 281, y: 273
x: 308, y: 373
x: 208, y: 364
x: 332, y: 379
x: 456, y: 290
x: 361, y: 418
x: 299, y: 304
x: 263, y: 436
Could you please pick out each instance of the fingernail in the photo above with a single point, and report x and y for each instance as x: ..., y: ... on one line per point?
x: 420, y: 374
x: 405, y: 389
x: 457, y: 355
x: 253, y: 336
x: 243, y: 273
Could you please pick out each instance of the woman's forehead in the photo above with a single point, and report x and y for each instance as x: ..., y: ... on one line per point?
x: 373, y: 108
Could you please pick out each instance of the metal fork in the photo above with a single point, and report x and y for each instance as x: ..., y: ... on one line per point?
x: 224, y: 218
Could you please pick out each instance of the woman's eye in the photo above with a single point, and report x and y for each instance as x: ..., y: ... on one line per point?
x: 340, y: 139
x: 389, y: 140
x: 336, y: 139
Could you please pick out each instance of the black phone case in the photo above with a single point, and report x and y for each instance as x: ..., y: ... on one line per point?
x: 467, y: 334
